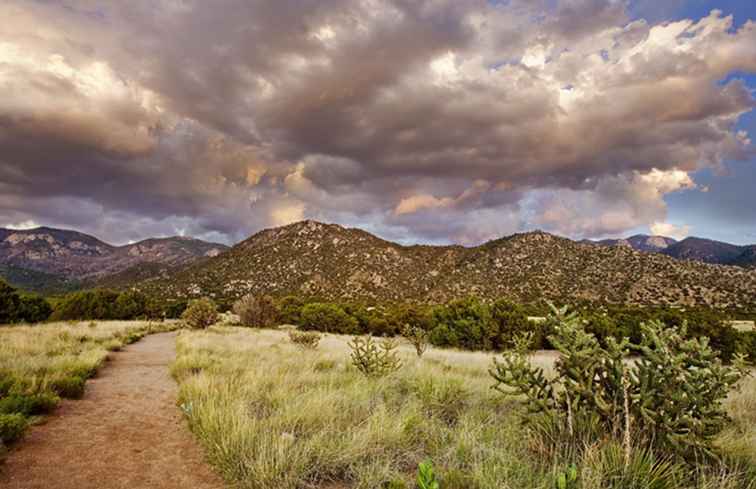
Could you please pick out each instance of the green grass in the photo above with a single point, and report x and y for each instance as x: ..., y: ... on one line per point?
x: 272, y: 415
x: 41, y: 364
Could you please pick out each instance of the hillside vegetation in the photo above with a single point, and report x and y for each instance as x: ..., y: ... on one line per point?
x: 332, y: 262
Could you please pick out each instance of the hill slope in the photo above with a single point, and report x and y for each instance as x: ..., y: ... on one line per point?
x: 70, y: 256
x: 329, y: 261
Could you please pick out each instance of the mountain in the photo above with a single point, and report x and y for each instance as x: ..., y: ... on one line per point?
x: 705, y: 250
x: 692, y: 248
x: 329, y: 261
x: 641, y: 242
x: 67, y: 257
x: 747, y: 258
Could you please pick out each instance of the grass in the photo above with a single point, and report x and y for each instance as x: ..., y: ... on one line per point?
x: 273, y: 415
x: 41, y: 364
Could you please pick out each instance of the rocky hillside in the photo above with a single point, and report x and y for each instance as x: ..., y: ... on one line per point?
x: 332, y: 262
x: 73, y: 256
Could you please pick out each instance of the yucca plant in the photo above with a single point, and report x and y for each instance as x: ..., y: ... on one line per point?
x: 567, y: 479
x: 426, y: 476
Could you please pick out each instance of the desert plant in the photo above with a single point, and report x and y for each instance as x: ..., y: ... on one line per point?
x: 426, y: 477
x: 673, y: 394
x: 200, y: 313
x: 257, y: 311
x: 417, y: 337
x: 374, y: 359
x: 567, y: 479
x: 305, y: 339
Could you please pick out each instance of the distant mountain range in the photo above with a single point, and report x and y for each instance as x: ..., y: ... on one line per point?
x: 49, y: 260
x: 329, y: 261
x: 692, y: 248
x: 332, y: 262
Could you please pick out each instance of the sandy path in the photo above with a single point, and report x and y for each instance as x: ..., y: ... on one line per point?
x: 125, y: 433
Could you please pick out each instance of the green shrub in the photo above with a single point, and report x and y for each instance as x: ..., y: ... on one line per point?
x: 12, y: 426
x: 71, y: 387
x: 374, y: 359
x: 305, y: 339
x: 257, y: 311
x: 329, y: 318
x: 200, y: 313
x: 30, y: 405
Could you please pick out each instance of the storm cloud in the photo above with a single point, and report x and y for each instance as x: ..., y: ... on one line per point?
x: 425, y: 120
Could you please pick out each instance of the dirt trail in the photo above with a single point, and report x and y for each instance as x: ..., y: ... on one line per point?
x: 125, y: 433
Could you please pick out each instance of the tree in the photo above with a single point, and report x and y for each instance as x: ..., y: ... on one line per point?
x: 88, y: 304
x: 34, y: 309
x: 290, y: 309
x: 9, y: 303
x: 464, y: 323
x: 511, y: 321
x: 329, y: 318
x: 130, y: 305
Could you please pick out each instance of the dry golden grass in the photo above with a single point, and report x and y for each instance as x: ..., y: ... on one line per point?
x: 273, y: 415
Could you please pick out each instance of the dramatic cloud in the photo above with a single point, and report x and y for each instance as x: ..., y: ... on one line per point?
x: 431, y: 120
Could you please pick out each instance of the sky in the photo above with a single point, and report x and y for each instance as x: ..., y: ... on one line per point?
x: 433, y: 121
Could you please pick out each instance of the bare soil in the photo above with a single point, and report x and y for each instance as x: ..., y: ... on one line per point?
x: 125, y: 433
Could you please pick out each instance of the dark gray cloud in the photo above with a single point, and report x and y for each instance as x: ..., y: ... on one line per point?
x: 434, y: 120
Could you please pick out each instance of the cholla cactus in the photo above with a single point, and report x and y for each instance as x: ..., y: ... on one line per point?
x: 673, y: 394
x: 374, y: 359
x: 680, y: 386
x: 418, y: 337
